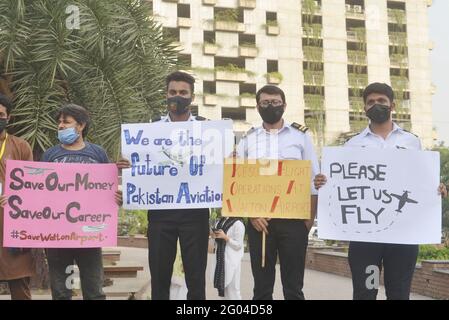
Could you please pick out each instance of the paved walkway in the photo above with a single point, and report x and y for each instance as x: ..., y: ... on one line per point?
x: 317, y: 285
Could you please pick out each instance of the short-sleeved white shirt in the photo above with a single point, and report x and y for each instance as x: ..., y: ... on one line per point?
x: 287, y: 143
x: 167, y: 118
x: 398, y: 138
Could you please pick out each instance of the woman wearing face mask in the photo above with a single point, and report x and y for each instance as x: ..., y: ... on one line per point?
x: 73, y: 125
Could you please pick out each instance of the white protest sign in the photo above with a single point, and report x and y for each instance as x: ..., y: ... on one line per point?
x: 175, y: 165
x: 380, y: 195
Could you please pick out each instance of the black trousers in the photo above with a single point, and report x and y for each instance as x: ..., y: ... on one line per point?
x: 398, y: 262
x: 289, y: 239
x: 164, y: 229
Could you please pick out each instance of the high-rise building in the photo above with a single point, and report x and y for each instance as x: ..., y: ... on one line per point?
x: 322, y: 53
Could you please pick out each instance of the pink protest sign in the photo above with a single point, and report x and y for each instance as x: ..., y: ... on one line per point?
x: 60, y: 205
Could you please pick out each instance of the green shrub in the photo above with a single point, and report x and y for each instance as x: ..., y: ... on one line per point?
x: 276, y: 75
x: 132, y: 222
x: 230, y: 15
x: 431, y: 252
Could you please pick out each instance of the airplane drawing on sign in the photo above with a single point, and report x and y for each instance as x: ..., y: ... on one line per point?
x: 179, y: 159
x: 403, y: 200
x: 36, y: 171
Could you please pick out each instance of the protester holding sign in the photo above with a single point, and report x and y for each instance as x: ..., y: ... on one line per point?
x: 73, y: 125
x: 175, y: 165
x: 191, y: 226
x: 398, y: 260
x: 276, y: 139
x: 16, y: 264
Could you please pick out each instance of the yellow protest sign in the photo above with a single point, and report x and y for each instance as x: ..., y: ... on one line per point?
x: 267, y: 188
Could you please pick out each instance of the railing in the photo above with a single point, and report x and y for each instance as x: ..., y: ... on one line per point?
x: 357, y: 57
x: 356, y: 104
x: 399, y: 60
x: 355, y: 12
x: 358, y: 81
x: 398, y: 82
x: 313, y: 53
x: 398, y: 38
x: 314, y: 78
x: 313, y: 32
x: 396, y: 16
x: 313, y: 101
x: 356, y: 36
x: 305, y: 9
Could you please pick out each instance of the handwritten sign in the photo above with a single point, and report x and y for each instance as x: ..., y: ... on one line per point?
x: 373, y: 195
x: 267, y: 189
x: 60, y: 205
x: 175, y: 165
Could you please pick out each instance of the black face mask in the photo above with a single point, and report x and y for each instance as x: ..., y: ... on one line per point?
x: 3, y: 124
x: 178, y: 104
x: 379, y: 113
x: 271, y: 114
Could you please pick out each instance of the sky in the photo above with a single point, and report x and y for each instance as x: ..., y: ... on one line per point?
x: 439, y: 34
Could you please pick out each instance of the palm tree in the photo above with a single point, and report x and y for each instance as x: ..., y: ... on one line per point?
x: 114, y: 64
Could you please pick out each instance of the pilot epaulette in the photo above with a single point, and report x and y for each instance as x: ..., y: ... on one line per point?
x: 156, y: 118
x: 299, y: 127
x: 249, y: 132
x: 200, y: 118
x: 348, y: 136
x: 410, y: 132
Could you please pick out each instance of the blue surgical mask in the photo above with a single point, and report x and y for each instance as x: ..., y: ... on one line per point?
x: 68, y: 136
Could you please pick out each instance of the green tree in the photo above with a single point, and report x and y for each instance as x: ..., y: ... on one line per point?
x: 444, y: 158
x: 444, y: 178
x: 114, y: 64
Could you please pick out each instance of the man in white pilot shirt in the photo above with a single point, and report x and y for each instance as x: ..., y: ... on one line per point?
x: 190, y: 226
x: 398, y: 260
x: 276, y: 139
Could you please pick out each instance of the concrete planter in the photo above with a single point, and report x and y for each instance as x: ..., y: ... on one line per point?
x: 224, y: 75
x: 137, y: 241
x: 230, y: 26
x: 248, y: 52
x: 210, y: 49
x: 210, y: 100
x: 272, y: 30
x: 248, y: 102
x: 184, y: 22
x: 272, y: 79
x: 247, y: 4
